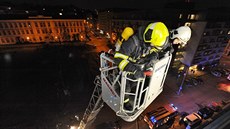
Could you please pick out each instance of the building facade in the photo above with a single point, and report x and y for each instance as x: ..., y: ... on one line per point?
x: 40, y: 29
x: 206, y: 47
x: 225, y: 59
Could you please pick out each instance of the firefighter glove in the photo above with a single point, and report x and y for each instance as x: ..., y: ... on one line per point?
x: 139, y: 74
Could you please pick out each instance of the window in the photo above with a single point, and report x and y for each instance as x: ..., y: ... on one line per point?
x: 9, y: 32
x: 7, y: 40
x: 12, y: 40
x: 4, y: 32
x: 6, y: 26
x: 16, y: 25
x: 36, y: 24
x: 24, y: 24
x: 3, y: 41
x: 20, y: 24
x: 18, y: 32
x: 29, y: 24
x: 14, y: 33
x: 188, y: 16
x: 192, y: 16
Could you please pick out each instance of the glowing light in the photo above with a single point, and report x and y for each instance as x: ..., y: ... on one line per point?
x: 60, y: 14
x: 56, y: 37
x: 180, y: 16
x: 7, y: 57
x: 153, y: 119
x: 192, y: 16
x: 73, y: 127
x: 27, y: 38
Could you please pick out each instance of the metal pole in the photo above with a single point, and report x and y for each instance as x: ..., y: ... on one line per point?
x: 182, y: 83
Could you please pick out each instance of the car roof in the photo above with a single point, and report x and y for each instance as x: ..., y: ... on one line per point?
x: 193, y: 116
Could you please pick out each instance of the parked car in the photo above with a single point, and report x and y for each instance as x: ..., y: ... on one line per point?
x: 215, y: 106
x: 216, y: 73
x: 200, y: 80
x: 160, y: 116
x: 192, y: 120
x: 205, y: 112
x: 194, y: 81
x: 182, y: 116
x: 223, y: 71
x: 188, y: 83
x: 227, y: 72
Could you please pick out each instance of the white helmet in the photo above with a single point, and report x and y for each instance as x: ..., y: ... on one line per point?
x: 183, y: 33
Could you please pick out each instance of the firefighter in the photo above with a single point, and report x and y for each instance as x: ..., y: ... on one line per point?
x: 181, y: 35
x: 140, y: 48
x: 149, y: 43
x: 178, y: 37
x: 146, y: 42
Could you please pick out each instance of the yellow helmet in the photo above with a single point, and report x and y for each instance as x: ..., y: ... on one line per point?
x: 157, y: 34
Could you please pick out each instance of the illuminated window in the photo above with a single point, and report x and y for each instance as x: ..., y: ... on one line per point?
x: 192, y: 16
x: 180, y: 16
x: 188, y: 16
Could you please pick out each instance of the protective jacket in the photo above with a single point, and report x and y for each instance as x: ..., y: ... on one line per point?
x: 131, y: 52
x: 134, y: 51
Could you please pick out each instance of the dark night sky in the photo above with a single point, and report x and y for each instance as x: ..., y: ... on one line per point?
x: 123, y: 3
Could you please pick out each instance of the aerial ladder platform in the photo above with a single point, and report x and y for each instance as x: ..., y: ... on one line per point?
x: 111, y: 88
